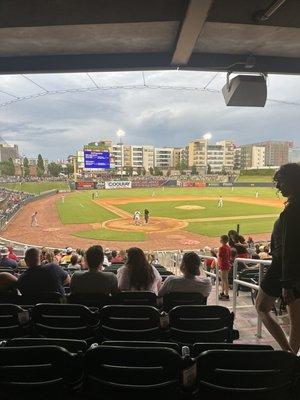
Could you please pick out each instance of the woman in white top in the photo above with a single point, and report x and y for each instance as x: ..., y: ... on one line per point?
x: 191, y: 281
x: 137, y: 274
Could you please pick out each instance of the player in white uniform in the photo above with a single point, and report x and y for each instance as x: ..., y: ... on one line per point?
x: 34, y: 221
x: 137, y: 218
x: 220, y: 202
x: 257, y: 194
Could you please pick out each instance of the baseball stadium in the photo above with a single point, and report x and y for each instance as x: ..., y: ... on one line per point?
x: 149, y: 199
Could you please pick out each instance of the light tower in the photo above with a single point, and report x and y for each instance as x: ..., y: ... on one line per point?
x: 120, y: 133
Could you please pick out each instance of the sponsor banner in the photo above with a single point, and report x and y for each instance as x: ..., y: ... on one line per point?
x: 214, y: 184
x: 85, y: 185
x: 187, y: 183
x: 118, y: 185
x: 171, y: 182
x: 240, y: 184
x: 200, y: 184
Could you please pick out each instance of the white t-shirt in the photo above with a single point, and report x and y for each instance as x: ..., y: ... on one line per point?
x: 181, y: 284
x: 124, y: 281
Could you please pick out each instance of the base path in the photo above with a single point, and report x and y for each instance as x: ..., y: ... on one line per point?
x: 162, y: 233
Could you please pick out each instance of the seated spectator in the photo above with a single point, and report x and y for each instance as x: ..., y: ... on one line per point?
x: 94, y: 280
x: 152, y: 259
x: 107, y: 257
x: 67, y: 258
x: 41, y: 278
x: 5, y: 261
x: 137, y: 274
x: 57, y: 256
x: 264, y: 253
x: 74, y: 262
x: 49, y: 258
x: 117, y: 258
x: 8, y: 282
x: 191, y: 281
x: 12, y: 255
x: 238, y: 242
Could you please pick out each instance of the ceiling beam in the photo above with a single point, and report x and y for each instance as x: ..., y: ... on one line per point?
x: 190, y: 30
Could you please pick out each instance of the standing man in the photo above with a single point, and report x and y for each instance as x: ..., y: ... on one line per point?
x: 137, y: 217
x: 62, y: 198
x: 146, y: 215
x: 34, y: 221
x: 256, y: 195
x: 220, y: 202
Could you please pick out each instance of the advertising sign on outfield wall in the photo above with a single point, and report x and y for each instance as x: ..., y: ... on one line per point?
x: 84, y: 185
x: 118, y: 185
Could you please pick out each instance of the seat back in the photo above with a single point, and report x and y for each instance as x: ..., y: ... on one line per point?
x: 90, y: 299
x: 132, y: 372
x: 174, y: 299
x: 136, y: 298
x: 9, y: 297
x: 128, y: 343
x: 199, y: 348
x: 236, y: 374
x: 43, y: 297
x: 250, y: 276
x: 12, y: 323
x: 71, y: 345
x: 69, y: 321
x: 36, y: 372
x: 192, y: 324
x: 119, y: 322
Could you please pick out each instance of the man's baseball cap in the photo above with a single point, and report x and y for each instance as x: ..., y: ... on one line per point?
x: 4, y: 251
x: 69, y: 250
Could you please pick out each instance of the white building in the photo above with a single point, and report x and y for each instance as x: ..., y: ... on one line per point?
x: 294, y: 155
x: 228, y: 161
x: 258, y: 157
x: 215, y: 158
x: 164, y: 157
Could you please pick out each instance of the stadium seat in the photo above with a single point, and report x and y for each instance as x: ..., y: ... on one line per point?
x: 198, y: 348
x: 90, y: 299
x: 42, y: 372
x: 192, y: 324
x: 130, y: 323
x: 14, y: 321
x: 9, y: 270
x: 248, y: 375
x: 136, y: 298
x: 43, y: 297
x: 174, y: 299
x: 66, y: 321
x: 132, y: 372
x: 72, y: 345
x: 9, y: 297
x: 121, y: 343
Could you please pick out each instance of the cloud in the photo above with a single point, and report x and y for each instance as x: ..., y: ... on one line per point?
x: 56, y: 125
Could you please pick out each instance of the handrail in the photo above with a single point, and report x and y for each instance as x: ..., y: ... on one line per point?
x: 237, y: 282
x: 216, y: 275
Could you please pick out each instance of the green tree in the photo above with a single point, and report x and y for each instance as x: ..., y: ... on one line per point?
x: 157, y: 171
x: 70, y: 169
x: 54, y: 169
x: 129, y: 170
x: 11, y: 167
x: 194, y: 170
x: 26, y: 166
x: 151, y: 171
x: 40, y: 166
x: 208, y: 169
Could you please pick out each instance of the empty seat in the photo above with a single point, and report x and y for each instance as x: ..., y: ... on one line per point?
x: 132, y: 372
x: 9, y: 297
x: 199, y: 348
x: 14, y: 321
x: 72, y: 345
x: 70, y: 321
x: 238, y: 374
x: 174, y: 299
x: 136, y: 298
x: 130, y: 323
x: 192, y: 324
x: 90, y: 299
x: 42, y: 372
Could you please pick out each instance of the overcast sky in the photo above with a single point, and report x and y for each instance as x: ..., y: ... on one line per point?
x: 56, y: 125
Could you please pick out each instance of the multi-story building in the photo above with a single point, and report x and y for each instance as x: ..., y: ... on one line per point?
x: 197, y: 153
x: 294, y: 155
x: 215, y: 158
x: 229, y: 148
x: 252, y: 156
x: 164, y: 157
x: 136, y: 157
x: 276, y: 152
x: 148, y: 157
x: 237, y: 158
x: 8, y: 151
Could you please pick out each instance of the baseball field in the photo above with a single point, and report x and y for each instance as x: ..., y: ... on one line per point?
x: 179, y: 217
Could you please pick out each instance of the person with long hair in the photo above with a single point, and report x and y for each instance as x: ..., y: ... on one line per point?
x: 137, y: 274
x: 283, y: 275
x: 238, y: 242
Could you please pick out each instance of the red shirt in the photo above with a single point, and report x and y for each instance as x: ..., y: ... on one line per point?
x: 224, y: 257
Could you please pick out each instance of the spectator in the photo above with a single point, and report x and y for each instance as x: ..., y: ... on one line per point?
x: 12, y: 255
x: 67, y: 258
x: 191, y: 281
x: 238, y: 242
x: 57, y: 256
x: 138, y: 275
x: 263, y: 253
x: 224, y: 256
x: 94, y: 280
x: 74, y: 262
x: 49, y: 258
x: 5, y: 261
x: 8, y: 282
x: 41, y: 278
x: 117, y: 258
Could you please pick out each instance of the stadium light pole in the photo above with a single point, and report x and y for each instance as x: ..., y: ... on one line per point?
x: 120, y: 134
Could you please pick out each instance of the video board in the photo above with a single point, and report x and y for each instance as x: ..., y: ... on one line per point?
x: 95, y: 159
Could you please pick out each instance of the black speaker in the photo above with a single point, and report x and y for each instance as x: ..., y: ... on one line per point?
x: 246, y: 91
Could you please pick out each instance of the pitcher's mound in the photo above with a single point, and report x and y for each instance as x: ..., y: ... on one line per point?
x: 155, y: 224
x: 189, y: 207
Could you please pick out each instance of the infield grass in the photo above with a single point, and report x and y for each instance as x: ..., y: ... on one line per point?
x: 106, y: 234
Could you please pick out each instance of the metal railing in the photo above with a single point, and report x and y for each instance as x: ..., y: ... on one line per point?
x: 212, y: 274
x: 237, y: 282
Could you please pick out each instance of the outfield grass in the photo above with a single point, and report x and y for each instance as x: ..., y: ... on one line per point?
x: 169, y: 209
x: 255, y: 178
x: 106, y: 234
x: 217, y: 228
x: 36, y: 187
x: 79, y: 209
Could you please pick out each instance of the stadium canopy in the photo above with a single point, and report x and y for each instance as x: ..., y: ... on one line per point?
x: 107, y: 35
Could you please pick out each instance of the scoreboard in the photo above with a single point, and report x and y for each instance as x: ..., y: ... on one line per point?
x: 95, y: 159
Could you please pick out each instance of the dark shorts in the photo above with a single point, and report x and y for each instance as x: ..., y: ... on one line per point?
x: 271, y: 283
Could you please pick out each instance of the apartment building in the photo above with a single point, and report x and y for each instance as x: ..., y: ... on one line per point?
x: 197, y: 152
x: 252, y: 156
x: 164, y: 157
x: 276, y: 152
x: 229, y: 154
